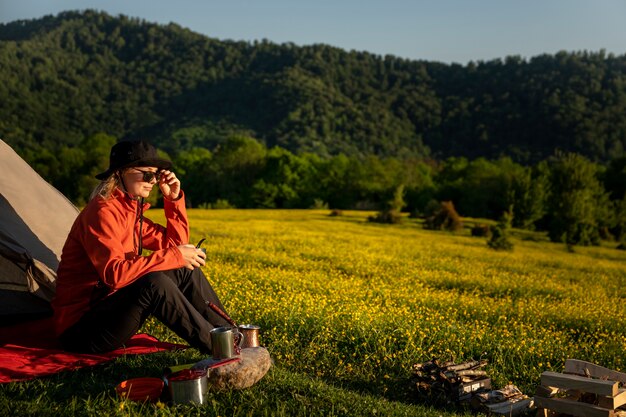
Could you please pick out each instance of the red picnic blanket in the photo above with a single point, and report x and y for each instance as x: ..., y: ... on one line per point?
x: 26, y: 360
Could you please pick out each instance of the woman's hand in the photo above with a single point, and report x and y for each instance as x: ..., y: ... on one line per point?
x: 193, y: 256
x: 169, y: 184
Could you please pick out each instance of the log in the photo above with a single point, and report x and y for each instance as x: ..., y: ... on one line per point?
x: 596, y: 386
x: 578, y: 367
x: 574, y: 408
x: 466, y: 365
x: 471, y: 372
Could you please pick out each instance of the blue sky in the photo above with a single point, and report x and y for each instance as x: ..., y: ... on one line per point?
x: 434, y: 30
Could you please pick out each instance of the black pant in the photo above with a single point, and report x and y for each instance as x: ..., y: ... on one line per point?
x: 176, y: 298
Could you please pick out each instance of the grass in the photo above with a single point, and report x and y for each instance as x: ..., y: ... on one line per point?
x: 347, y: 306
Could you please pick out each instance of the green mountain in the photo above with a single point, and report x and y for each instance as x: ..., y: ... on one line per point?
x: 66, y: 77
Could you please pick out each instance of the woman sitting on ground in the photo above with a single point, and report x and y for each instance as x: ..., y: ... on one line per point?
x: 106, y: 288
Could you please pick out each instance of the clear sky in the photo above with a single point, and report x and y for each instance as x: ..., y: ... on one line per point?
x: 433, y: 30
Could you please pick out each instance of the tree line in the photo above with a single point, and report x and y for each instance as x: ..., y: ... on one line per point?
x: 257, y: 124
x: 76, y: 74
x: 575, y: 200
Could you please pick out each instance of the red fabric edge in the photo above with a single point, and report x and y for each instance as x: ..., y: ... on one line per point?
x: 24, y: 362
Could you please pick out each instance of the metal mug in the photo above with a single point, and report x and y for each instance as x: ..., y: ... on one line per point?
x: 251, y: 335
x: 188, y: 386
x: 224, y: 343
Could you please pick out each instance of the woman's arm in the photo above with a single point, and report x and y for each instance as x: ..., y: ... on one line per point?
x: 157, y: 237
x: 118, y: 264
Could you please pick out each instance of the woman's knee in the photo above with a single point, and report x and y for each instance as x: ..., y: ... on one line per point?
x: 156, y: 283
x: 198, y: 276
x: 186, y: 278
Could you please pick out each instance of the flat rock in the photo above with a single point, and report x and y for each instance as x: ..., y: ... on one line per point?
x: 253, y: 365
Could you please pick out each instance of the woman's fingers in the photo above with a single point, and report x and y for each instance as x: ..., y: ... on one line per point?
x: 193, y: 256
x: 169, y: 177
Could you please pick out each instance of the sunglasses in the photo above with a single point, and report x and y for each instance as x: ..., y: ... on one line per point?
x: 148, y: 176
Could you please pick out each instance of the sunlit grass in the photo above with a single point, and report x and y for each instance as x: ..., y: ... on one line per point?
x: 356, y: 302
x: 346, y: 307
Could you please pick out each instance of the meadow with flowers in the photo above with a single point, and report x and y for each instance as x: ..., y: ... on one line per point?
x: 347, y: 307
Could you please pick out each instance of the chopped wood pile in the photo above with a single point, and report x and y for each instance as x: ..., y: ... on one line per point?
x: 448, y: 379
x: 584, y: 389
x: 468, y: 385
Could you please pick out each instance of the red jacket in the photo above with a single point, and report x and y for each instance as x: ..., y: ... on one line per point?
x: 101, y: 251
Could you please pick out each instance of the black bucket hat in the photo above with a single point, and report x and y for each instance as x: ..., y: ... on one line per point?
x: 128, y: 154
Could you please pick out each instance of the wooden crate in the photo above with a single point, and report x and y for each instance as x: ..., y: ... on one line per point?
x: 583, y: 390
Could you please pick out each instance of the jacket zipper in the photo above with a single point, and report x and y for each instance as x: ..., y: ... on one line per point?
x: 139, y: 215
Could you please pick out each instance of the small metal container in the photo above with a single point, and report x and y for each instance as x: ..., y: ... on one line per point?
x: 188, y: 386
x: 225, y: 342
x: 250, y: 335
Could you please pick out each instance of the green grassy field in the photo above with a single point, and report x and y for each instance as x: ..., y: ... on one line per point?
x: 347, y: 307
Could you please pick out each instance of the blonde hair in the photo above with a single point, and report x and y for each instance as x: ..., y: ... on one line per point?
x: 107, y: 186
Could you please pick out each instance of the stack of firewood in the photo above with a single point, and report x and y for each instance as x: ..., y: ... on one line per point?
x: 455, y: 382
x: 468, y: 385
x: 583, y: 389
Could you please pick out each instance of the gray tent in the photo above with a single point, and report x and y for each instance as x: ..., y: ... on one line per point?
x: 35, y: 219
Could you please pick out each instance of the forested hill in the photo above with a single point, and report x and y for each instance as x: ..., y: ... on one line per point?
x: 66, y: 77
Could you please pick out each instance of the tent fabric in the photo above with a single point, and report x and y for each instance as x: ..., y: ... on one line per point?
x: 44, y: 215
x: 35, y: 219
x: 21, y: 363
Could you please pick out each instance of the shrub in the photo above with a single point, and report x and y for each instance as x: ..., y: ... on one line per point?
x: 578, y: 205
x: 445, y: 218
x: 222, y: 204
x: 319, y: 204
x: 499, y: 235
x: 391, y: 212
x: 432, y: 208
x: 386, y: 216
x: 336, y: 212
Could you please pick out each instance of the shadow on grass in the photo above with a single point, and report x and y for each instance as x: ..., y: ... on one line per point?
x: 95, y: 380
x: 90, y: 391
x: 399, y: 390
